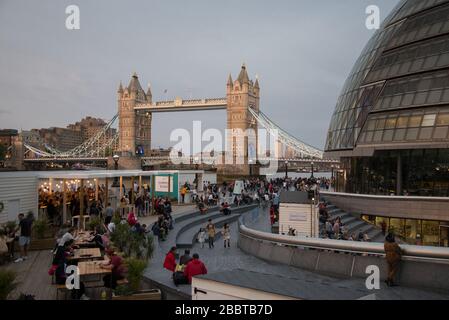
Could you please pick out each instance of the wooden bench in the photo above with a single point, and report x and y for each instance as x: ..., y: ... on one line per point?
x: 59, y: 288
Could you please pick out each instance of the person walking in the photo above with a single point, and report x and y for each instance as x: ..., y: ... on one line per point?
x: 226, y: 232
x: 25, y: 225
x: 202, y: 237
x: 210, y: 227
x: 109, y: 214
x: 393, y: 257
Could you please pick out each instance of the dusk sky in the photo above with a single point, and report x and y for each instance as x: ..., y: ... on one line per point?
x: 301, y: 50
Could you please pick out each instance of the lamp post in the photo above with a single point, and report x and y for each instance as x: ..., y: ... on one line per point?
x: 196, y: 160
x: 250, y: 162
x: 286, y: 169
x: 332, y: 176
x: 116, y: 158
x: 311, y: 164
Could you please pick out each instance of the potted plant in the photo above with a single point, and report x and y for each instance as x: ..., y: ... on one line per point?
x: 44, y: 238
x: 95, y: 223
x: 40, y: 227
x: 137, y: 248
x: 132, y: 290
x: 7, y: 283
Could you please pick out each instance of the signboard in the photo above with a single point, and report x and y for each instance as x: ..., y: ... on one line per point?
x: 303, y: 218
x: 298, y: 217
x: 238, y: 187
x: 161, y: 183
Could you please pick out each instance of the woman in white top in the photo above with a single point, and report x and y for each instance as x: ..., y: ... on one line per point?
x: 226, y: 232
x: 202, y: 237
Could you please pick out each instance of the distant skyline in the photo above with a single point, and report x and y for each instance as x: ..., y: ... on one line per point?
x: 302, y: 52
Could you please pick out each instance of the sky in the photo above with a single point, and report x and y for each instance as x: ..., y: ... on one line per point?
x: 302, y: 52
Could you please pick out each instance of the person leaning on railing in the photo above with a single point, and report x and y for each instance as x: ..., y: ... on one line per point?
x: 393, y: 256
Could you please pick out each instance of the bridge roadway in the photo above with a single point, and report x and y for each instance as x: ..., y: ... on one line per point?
x: 310, y: 285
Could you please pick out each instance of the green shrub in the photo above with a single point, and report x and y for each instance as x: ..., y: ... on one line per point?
x: 95, y: 222
x: 41, y: 227
x: 136, y: 268
x: 7, y: 283
x: 123, y: 290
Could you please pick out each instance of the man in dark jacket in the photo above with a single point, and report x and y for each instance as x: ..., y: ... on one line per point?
x: 185, y: 259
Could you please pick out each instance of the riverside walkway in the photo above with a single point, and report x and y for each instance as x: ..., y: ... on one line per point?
x: 307, y: 284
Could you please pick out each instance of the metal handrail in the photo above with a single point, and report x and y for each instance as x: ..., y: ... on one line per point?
x: 371, y: 248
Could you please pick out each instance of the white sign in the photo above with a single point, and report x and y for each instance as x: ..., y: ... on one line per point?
x: 238, y: 187
x: 161, y: 184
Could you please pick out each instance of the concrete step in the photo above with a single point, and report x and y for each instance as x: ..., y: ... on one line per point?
x: 376, y: 235
x: 196, y: 220
x: 355, y: 226
x: 187, y: 238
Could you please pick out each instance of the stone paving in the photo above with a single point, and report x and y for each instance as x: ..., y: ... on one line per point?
x: 223, y: 259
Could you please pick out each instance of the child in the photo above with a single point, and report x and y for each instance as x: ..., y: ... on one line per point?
x: 202, y: 237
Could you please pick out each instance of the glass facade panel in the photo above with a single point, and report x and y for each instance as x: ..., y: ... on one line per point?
x: 429, y: 120
x: 414, y: 121
x: 443, y: 119
x: 431, y: 233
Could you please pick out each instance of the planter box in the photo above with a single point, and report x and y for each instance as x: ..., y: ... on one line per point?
x: 151, y: 294
x: 38, y: 244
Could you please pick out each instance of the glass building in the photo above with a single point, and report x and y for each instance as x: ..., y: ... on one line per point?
x: 390, y: 127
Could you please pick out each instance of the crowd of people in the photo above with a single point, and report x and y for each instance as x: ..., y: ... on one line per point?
x: 334, y: 228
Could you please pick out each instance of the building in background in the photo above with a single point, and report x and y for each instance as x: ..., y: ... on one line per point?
x: 390, y: 127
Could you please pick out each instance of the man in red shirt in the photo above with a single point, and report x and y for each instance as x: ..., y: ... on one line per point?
x: 170, y: 260
x: 194, y: 267
x: 115, y: 264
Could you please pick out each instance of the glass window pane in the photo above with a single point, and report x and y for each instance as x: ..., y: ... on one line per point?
x: 391, y: 123
x: 388, y: 135
x: 440, y: 133
x: 443, y: 119
x: 415, y: 121
x: 425, y: 133
x: 378, y: 136
x: 399, y: 135
x: 412, y: 134
x: 429, y: 120
x: 380, y: 123
x: 402, y: 122
x: 372, y: 124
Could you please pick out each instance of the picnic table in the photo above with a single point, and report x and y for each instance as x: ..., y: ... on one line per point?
x: 82, y: 239
x: 92, y: 268
x: 86, y: 254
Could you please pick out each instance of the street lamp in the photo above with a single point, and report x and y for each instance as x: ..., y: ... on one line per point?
x: 311, y: 164
x: 332, y: 175
x: 250, y: 162
x: 116, y: 158
x: 286, y: 169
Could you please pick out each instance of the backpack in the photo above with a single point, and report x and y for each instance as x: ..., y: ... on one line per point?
x: 180, y: 278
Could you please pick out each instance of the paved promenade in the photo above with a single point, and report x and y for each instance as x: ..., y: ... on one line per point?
x: 224, y: 259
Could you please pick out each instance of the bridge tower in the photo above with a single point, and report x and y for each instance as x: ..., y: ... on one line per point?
x: 241, y: 94
x: 134, y: 127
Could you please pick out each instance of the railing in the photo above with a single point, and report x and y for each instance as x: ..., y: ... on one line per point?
x: 369, y: 248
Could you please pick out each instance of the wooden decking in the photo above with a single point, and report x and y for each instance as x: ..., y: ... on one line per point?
x: 32, y: 276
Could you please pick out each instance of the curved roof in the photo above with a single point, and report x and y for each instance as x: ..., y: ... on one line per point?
x: 397, y: 94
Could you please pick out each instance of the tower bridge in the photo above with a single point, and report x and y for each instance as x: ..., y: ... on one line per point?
x: 133, y: 140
